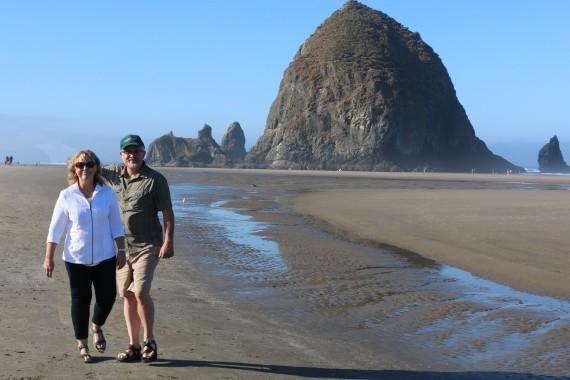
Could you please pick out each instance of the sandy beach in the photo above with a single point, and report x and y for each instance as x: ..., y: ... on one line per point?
x: 515, y: 237
x: 356, y: 284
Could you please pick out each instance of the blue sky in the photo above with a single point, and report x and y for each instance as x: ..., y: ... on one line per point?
x: 81, y: 74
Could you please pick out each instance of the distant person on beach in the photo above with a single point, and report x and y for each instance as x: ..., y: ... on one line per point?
x: 94, y: 246
x: 142, y: 193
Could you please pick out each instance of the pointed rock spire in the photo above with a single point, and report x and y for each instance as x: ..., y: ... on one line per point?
x: 550, y: 158
x: 233, y: 143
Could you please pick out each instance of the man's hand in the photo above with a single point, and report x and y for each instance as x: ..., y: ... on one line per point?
x: 121, y: 259
x: 166, y: 251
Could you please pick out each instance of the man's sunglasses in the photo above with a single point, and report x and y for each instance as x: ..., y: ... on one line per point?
x: 81, y: 165
x: 131, y: 151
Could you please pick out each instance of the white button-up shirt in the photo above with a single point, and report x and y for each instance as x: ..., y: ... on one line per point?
x: 91, y: 226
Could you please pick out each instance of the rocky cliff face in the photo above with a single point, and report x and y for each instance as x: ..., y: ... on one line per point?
x: 550, y: 158
x: 169, y: 150
x: 365, y: 93
x: 233, y: 143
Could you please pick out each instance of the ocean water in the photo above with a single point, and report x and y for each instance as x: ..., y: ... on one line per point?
x: 536, y: 172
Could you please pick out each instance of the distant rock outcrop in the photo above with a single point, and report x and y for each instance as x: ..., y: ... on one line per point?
x: 169, y: 150
x: 365, y: 93
x: 550, y: 158
x: 233, y: 144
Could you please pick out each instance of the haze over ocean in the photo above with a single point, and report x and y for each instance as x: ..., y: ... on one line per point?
x: 76, y: 75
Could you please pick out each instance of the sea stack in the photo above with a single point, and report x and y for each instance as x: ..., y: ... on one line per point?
x: 233, y: 144
x: 365, y: 93
x: 550, y: 158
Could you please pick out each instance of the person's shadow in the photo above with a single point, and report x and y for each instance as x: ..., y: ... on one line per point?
x: 342, y: 373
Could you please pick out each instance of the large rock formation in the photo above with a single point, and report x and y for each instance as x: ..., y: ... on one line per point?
x: 169, y: 150
x: 233, y: 144
x: 550, y: 158
x: 365, y: 93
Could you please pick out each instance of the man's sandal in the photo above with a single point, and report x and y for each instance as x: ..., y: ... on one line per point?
x: 99, y: 340
x: 149, y: 351
x: 131, y: 354
x: 85, y: 354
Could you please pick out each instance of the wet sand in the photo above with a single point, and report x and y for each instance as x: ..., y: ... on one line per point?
x: 516, y: 237
x: 324, y: 307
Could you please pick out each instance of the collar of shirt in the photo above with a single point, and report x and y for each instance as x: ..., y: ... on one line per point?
x: 142, y: 173
x: 77, y: 190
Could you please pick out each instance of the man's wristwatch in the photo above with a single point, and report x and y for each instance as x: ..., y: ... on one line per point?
x: 121, y: 250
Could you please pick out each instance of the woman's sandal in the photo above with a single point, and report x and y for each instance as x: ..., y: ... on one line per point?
x: 149, y: 351
x: 99, y: 340
x: 85, y: 354
x: 131, y: 354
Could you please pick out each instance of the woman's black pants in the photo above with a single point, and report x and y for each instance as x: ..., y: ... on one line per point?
x: 81, y: 278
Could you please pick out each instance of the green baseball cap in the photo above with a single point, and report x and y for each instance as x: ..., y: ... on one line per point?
x: 131, y: 140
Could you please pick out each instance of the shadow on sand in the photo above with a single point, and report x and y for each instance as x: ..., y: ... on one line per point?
x: 340, y: 373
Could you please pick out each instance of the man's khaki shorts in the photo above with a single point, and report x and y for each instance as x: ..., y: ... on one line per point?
x: 137, y: 274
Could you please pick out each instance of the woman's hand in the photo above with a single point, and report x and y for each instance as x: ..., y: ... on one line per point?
x: 48, y: 266
x: 121, y: 259
x: 121, y: 251
x: 48, y: 260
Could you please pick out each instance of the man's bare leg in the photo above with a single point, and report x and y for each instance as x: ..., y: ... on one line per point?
x: 145, y: 307
x: 132, y: 319
x: 133, y: 323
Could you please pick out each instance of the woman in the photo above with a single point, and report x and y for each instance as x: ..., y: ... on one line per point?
x: 88, y: 211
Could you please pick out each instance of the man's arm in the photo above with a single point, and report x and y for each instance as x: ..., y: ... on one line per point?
x: 167, y: 249
x: 110, y: 174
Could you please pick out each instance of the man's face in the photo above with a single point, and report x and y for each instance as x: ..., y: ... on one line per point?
x: 132, y: 157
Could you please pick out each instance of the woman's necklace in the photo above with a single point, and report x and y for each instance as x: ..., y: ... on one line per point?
x: 87, y: 189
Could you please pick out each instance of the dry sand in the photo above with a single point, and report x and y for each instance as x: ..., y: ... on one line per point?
x: 203, y: 334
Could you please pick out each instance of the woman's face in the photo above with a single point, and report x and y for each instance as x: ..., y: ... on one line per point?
x: 85, y: 168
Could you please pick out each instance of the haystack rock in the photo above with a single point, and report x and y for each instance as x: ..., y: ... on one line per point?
x: 233, y: 143
x: 365, y: 93
x: 169, y: 150
x: 550, y: 158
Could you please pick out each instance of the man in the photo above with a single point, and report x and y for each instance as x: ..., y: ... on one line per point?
x: 142, y: 192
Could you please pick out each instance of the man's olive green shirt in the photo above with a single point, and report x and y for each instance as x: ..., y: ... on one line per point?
x: 140, y: 199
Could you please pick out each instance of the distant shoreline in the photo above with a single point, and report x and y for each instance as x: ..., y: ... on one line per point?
x: 531, y: 172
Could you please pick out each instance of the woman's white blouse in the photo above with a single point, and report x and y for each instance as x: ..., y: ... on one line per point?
x: 90, y: 227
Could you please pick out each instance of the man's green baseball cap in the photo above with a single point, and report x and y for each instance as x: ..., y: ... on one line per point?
x: 131, y: 140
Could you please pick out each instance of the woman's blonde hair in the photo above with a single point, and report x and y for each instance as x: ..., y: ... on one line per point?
x: 83, y: 155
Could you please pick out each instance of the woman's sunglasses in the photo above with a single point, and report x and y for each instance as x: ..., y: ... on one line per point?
x: 81, y: 165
